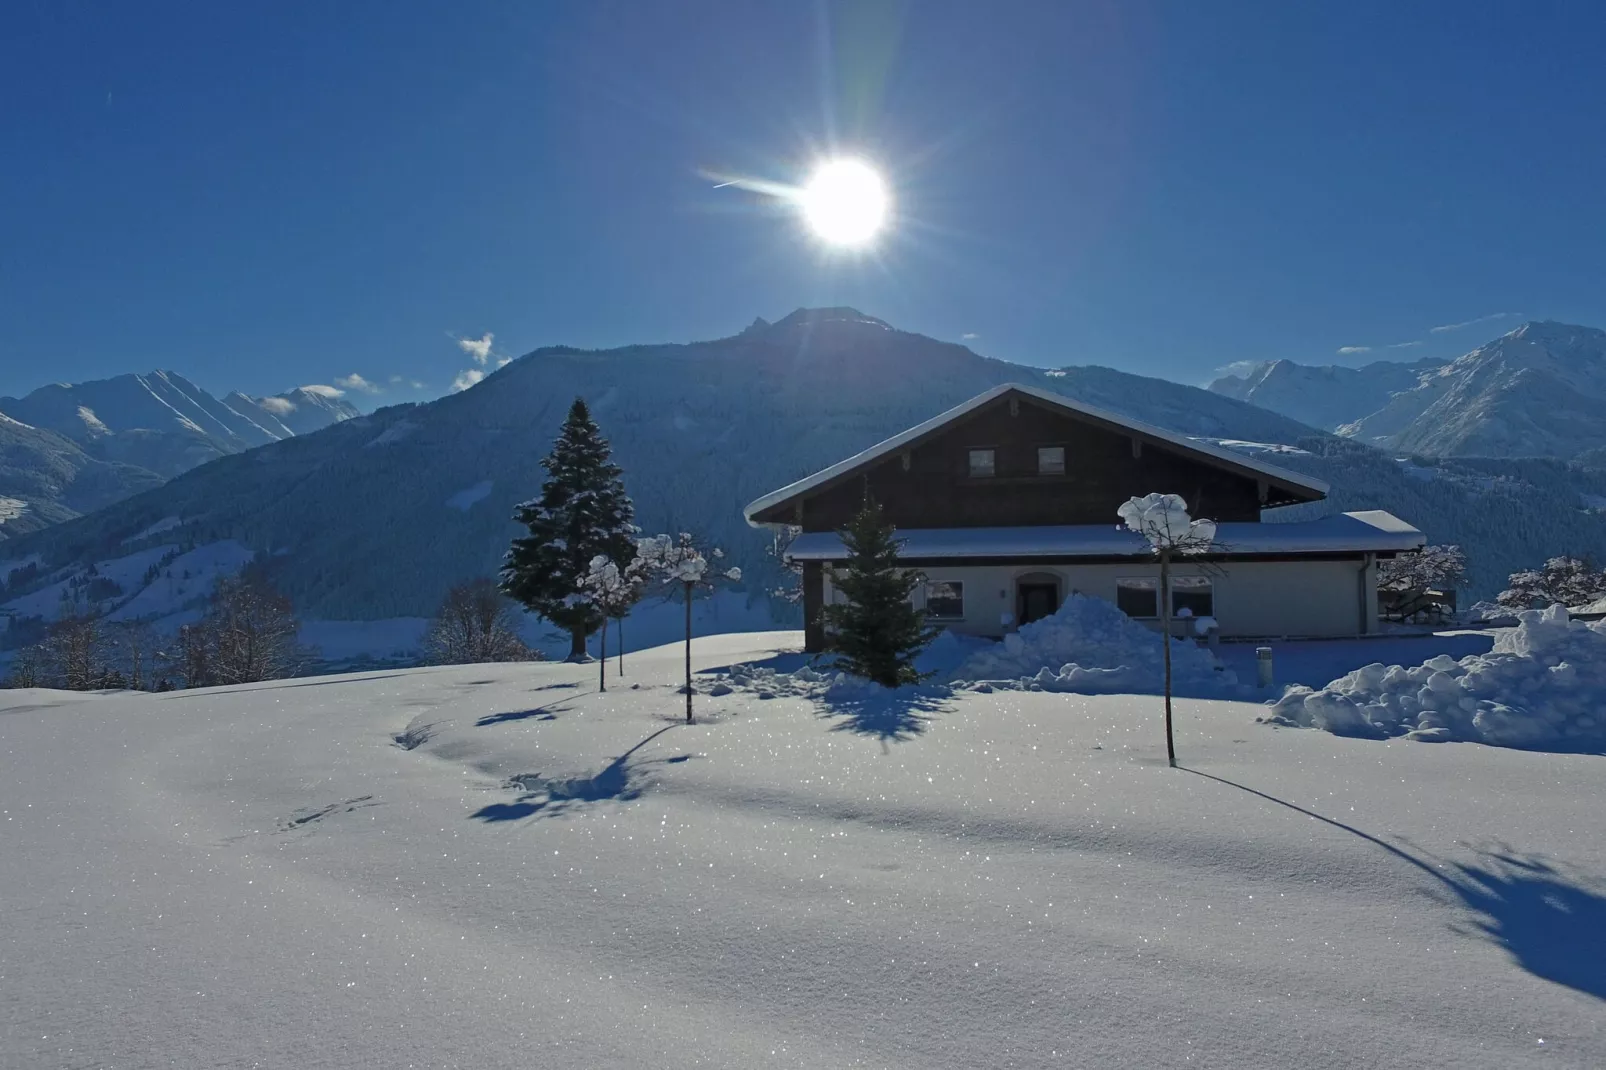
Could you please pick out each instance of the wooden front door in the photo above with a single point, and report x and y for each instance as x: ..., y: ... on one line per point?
x: 1036, y: 601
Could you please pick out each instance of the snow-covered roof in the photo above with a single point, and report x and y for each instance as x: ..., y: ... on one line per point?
x: 1230, y: 457
x: 1366, y: 532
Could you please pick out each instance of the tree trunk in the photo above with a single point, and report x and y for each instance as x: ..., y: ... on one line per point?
x: 688, y: 653
x: 577, y: 643
x: 1165, y: 633
x: 619, y: 625
x: 602, y: 656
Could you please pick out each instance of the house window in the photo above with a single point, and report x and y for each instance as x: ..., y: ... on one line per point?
x: 981, y: 463
x: 945, y: 600
x: 1193, y: 593
x: 1051, y: 460
x: 1138, y: 597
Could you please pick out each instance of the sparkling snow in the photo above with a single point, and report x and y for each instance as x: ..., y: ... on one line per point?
x: 1542, y: 686
x: 494, y: 865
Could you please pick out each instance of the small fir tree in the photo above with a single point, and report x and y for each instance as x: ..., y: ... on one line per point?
x: 583, y: 512
x: 879, y: 632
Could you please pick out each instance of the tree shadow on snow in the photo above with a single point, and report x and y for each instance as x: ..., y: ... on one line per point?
x: 892, y: 715
x: 1552, y: 922
x: 549, y: 712
x: 785, y: 661
x: 621, y: 780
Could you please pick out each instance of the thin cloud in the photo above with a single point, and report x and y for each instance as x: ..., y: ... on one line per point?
x: 1347, y: 350
x: 1402, y: 345
x: 278, y: 406
x: 358, y: 383
x: 1472, y: 323
x: 324, y: 391
x: 969, y: 336
x: 478, y: 348
x: 467, y: 378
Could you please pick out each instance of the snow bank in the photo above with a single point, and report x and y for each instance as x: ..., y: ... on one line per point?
x: 1087, y: 647
x: 1542, y: 686
x: 1090, y: 647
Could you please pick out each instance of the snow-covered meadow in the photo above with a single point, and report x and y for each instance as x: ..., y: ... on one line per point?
x: 498, y: 866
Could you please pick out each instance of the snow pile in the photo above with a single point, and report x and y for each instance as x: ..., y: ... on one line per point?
x: 1543, y: 685
x: 1090, y: 647
x: 1087, y: 647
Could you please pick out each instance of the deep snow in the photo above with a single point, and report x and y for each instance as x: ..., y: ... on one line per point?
x: 1543, y: 685
x: 263, y: 876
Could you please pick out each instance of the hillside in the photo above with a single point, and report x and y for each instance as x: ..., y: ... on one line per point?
x: 70, y: 448
x: 1539, y: 391
x: 164, y: 423
x: 1324, y: 396
x: 46, y: 478
x: 376, y: 516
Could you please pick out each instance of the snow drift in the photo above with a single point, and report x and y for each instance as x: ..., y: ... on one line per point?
x: 1088, y: 647
x: 1543, y: 686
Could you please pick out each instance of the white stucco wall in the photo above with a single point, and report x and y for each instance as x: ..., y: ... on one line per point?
x: 1252, y: 599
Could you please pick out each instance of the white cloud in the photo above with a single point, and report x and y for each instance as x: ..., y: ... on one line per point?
x: 478, y: 348
x: 357, y: 382
x: 1472, y: 323
x: 324, y: 391
x: 969, y: 336
x: 502, y: 362
x: 1403, y: 345
x: 1346, y: 350
x: 278, y: 406
x: 467, y: 378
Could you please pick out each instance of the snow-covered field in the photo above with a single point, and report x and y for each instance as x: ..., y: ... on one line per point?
x: 263, y: 876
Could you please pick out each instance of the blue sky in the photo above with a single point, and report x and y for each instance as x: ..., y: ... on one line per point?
x: 261, y: 196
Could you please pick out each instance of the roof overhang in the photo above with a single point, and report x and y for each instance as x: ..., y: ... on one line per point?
x: 1359, y: 533
x: 1300, y: 487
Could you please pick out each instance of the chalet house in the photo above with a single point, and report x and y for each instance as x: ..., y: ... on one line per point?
x: 1008, y: 504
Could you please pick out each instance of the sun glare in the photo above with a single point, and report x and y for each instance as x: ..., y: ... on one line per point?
x: 845, y: 202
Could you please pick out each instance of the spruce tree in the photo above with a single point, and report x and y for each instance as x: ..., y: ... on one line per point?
x: 583, y: 513
x: 879, y: 632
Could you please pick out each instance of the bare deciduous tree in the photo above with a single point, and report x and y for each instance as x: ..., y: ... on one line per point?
x: 134, y: 649
x: 251, y: 631
x: 475, y: 623
x: 74, y: 649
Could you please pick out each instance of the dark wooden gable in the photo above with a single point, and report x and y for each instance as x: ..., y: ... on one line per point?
x: 928, y: 484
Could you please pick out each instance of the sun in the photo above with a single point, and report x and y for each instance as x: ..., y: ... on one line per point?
x: 845, y: 202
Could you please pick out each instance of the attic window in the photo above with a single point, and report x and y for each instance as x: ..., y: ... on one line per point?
x: 1051, y: 460
x: 981, y: 464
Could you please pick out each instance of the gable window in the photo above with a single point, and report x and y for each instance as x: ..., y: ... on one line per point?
x: 1051, y: 460
x: 1138, y: 597
x: 1194, y: 594
x: 981, y: 464
x: 945, y: 600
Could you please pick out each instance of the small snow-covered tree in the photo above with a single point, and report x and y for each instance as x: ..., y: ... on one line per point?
x: 1568, y: 581
x: 1430, y: 568
x: 1163, y: 520
x: 878, y: 631
x: 475, y: 623
x: 679, y: 565
x: 583, y: 511
x: 611, y: 591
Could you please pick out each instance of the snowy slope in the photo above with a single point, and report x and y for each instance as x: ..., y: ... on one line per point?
x: 1539, y: 391
x: 50, y: 478
x: 261, y: 876
x: 1325, y: 396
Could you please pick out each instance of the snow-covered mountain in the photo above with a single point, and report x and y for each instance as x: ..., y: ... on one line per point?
x: 1326, y: 395
x: 1539, y: 391
x: 72, y: 448
x: 375, y: 517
